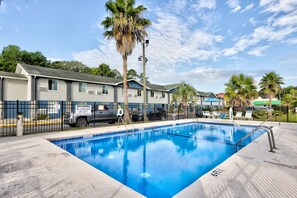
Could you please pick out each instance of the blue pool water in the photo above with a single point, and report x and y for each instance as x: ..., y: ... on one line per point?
x: 162, y: 161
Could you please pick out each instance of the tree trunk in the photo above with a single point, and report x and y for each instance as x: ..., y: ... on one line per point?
x: 126, y: 110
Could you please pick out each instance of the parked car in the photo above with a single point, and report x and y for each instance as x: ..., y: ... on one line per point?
x: 157, y: 114
x: 82, y: 119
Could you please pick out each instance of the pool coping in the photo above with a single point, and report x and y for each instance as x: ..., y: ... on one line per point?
x: 110, y: 187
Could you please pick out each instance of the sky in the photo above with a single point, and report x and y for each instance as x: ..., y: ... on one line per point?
x: 201, y: 42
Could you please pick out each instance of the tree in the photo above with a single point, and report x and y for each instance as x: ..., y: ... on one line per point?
x: 270, y: 85
x: 34, y: 58
x: 132, y: 74
x: 290, y: 98
x: 183, y: 94
x: 102, y: 70
x: 11, y: 55
x: 126, y: 25
x: 141, y: 78
x: 240, y: 91
x: 117, y: 74
x: 71, y: 66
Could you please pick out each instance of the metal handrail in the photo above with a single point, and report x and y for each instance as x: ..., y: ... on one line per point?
x: 276, y: 114
x: 268, y: 131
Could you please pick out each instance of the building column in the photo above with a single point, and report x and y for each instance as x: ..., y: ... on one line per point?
x: 1, y: 99
x: 68, y: 96
x: 115, y: 97
x: 33, y: 101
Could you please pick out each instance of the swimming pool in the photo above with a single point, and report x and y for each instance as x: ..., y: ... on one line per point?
x: 161, y: 161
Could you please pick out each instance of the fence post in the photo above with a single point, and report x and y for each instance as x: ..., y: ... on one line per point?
x: 187, y: 111
x: 288, y: 110
x: 94, y: 115
x: 62, y: 115
x: 178, y: 111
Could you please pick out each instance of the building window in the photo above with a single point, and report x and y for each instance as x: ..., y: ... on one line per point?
x: 52, y: 85
x: 138, y: 92
x: 82, y: 87
x: 163, y: 94
x: 104, y: 89
x: 152, y: 94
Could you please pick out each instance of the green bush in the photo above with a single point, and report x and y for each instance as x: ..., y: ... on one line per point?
x: 279, y: 113
x: 42, y: 117
x: 260, y: 114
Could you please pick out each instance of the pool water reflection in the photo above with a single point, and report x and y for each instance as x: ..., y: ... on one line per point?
x: 159, y: 162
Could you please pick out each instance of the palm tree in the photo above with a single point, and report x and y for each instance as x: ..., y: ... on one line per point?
x: 270, y: 85
x: 127, y: 26
x: 183, y: 94
x: 240, y: 90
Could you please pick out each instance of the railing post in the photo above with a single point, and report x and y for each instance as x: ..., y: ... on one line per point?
x: 178, y: 111
x: 62, y: 115
x: 288, y: 113
x: 94, y: 115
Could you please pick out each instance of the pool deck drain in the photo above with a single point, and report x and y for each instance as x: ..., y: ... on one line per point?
x: 31, y: 166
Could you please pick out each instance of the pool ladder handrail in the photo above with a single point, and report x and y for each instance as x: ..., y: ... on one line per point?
x: 270, y: 135
x: 268, y: 130
x: 120, y: 118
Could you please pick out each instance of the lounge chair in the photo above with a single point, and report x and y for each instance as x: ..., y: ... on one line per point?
x: 215, y: 114
x: 238, y: 115
x: 248, y: 115
x: 223, y: 115
x: 206, y: 114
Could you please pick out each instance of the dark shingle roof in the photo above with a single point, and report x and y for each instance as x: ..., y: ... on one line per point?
x: 12, y: 75
x: 156, y: 87
x: 64, y: 74
x: 205, y: 94
x: 171, y: 86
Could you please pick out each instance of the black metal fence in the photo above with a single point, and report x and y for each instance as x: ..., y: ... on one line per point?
x: 46, y: 116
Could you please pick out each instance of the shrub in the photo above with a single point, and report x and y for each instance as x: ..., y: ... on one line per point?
x: 260, y: 114
x: 279, y: 113
x: 42, y: 117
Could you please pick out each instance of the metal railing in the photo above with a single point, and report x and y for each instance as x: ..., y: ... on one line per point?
x: 267, y: 129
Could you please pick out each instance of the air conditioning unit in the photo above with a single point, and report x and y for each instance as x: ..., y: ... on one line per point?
x: 156, y: 97
x: 90, y: 92
x: 135, y: 95
x: 42, y: 88
x: 99, y: 92
x: 129, y: 95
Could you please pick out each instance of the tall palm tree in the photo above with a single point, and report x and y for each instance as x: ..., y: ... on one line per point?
x: 126, y: 26
x: 240, y: 90
x: 270, y: 85
x: 183, y: 94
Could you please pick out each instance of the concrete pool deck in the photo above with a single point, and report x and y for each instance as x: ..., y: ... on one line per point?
x: 31, y: 166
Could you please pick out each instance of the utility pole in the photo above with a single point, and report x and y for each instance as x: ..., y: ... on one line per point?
x: 145, y: 43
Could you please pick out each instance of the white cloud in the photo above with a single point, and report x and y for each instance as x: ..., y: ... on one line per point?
x: 3, y: 7
x: 252, y: 21
x: 18, y: 8
x: 287, y: 20
x: 248, y: 7
x: 234, y: 5
x: 276, y: 6
x: 172, y: 44
x: 209, y: 4
x: 258, y: 51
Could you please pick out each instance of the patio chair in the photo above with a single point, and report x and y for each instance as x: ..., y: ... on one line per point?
x: 223, y: 115
x: 248, y: 115
x: 206, y: 114
x: 215, y: 114
x: 238, y: 115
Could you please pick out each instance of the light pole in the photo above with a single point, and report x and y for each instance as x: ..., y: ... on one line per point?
x: 142, y: 58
